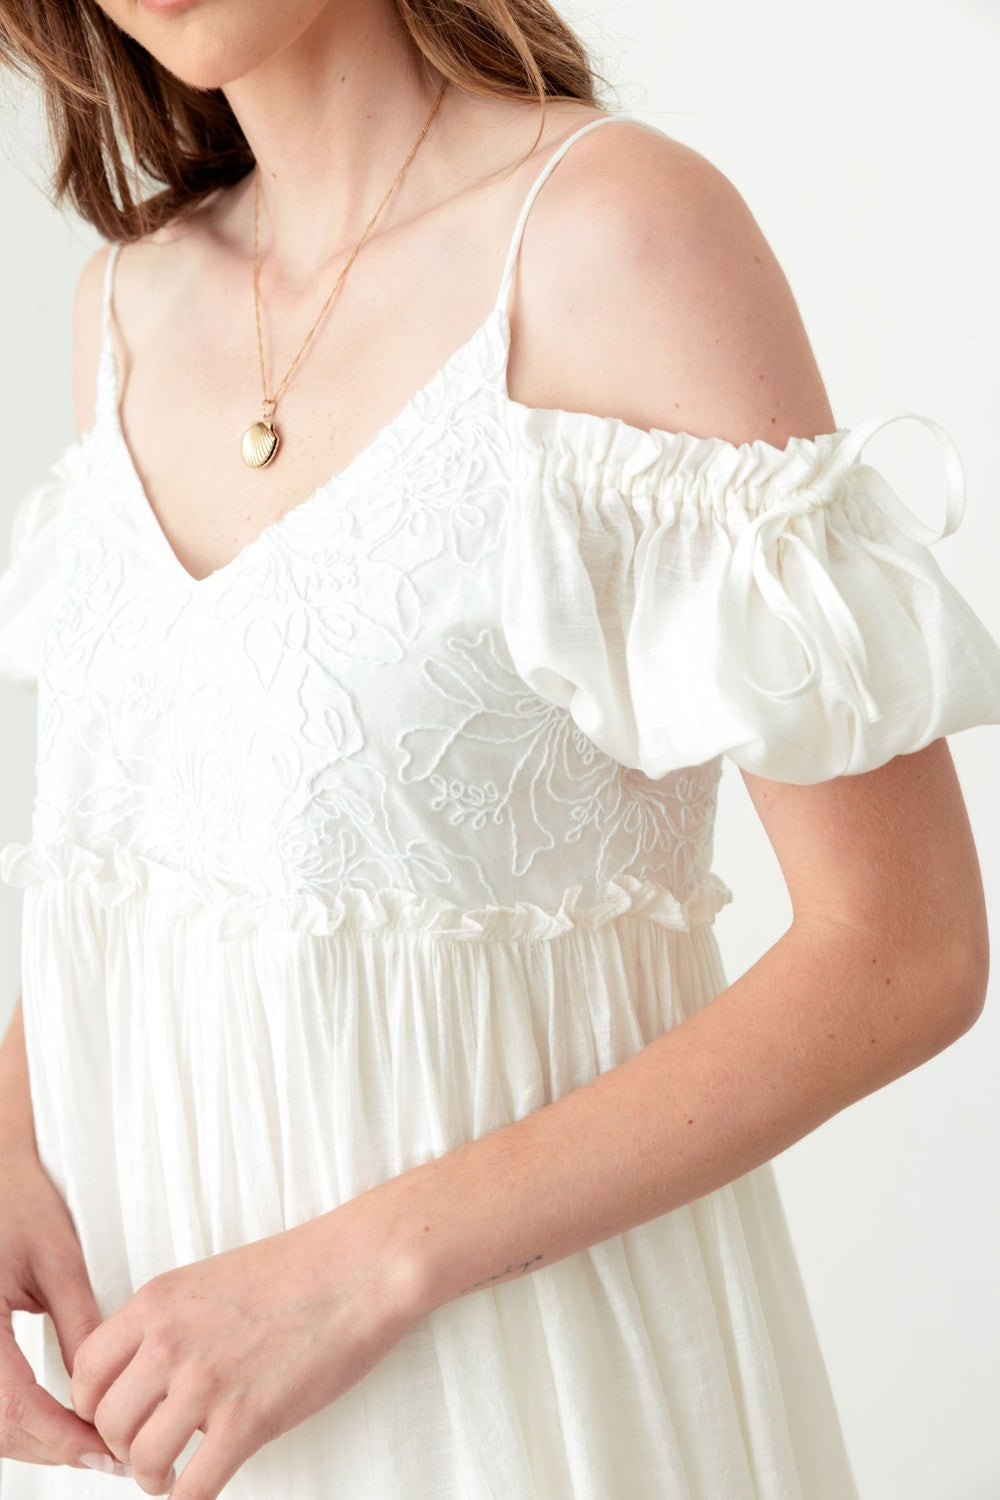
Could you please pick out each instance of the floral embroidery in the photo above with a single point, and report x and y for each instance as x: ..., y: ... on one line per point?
x: 338, y: 706
x: 560, y: 790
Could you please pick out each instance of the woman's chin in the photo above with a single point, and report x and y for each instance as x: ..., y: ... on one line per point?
x: 205, y: 78
x: 205, y: 69
x: 205, y: 45
x: 208, y: 44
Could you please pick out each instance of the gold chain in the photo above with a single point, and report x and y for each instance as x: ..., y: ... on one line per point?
x: 256, y: 443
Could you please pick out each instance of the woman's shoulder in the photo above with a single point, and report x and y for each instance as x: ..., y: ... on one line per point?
x: 151, y: 276
x: 88, y: 324
x: 87, y: 311
x: 641, y: 248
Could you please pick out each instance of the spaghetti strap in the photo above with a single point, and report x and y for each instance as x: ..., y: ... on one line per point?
x: 107, y: 379
x: 506, y: 280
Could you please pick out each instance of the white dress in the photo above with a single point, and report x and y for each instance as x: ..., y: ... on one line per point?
x: 399, y: 826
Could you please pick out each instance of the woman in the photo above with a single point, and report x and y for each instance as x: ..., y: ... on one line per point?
x: 391, y: 1129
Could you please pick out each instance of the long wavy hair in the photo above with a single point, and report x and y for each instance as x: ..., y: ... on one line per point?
x: 135, y: 148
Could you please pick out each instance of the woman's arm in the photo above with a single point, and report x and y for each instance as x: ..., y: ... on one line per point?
x: 41, y: 1270
x: 17, y: 1128
x: 884, y: 964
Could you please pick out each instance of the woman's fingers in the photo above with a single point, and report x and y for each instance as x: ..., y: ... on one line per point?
x: 127, y: 1406
x: 162, y: 1440
x: 63, y: 1286
x: 101, y: 1357
x: 33, y: 1426
x: 223, y: 1450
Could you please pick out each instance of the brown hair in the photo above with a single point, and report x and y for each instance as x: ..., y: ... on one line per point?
x: 135, y: 147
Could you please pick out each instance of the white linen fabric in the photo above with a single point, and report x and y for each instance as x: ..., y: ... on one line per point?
x: 397, y: 827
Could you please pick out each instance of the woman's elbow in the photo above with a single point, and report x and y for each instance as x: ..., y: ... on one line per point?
x: 966, y: 971
x: 950, y: 964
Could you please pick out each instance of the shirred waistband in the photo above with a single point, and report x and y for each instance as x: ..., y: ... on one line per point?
x: 118, y: 875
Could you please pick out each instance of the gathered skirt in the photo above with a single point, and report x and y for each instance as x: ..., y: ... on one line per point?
x: 199, y: 1083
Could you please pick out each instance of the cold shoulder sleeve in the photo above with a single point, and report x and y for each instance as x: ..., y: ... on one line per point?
x: 687, y: 597
x: 28, y: 585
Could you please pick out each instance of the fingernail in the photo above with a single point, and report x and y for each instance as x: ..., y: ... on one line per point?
x: 105, y: 1464
x: 98, y: 1461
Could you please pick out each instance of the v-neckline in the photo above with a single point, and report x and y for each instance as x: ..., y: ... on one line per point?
x: 496, y: 319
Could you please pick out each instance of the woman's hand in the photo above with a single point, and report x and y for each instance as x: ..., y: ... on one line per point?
x: 241, y: 1347
x: 41, y: 1270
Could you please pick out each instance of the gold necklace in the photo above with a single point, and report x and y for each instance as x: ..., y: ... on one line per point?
x: 260, y: 441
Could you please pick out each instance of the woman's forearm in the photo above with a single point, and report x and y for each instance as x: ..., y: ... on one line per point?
x: 17, y: 1127
x: 825, y: 1017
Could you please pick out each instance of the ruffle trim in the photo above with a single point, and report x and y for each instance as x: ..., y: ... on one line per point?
x: 561, y: 445
x: 658, y: 471
x: 43, y: 505
x: 116, y: 876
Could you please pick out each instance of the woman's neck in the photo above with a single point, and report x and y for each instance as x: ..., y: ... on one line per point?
x: 330, y: 121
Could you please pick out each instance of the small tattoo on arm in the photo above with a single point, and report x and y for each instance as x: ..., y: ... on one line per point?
x: 515, y: 1268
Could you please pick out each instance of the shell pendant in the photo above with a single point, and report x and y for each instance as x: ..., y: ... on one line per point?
x: 260, y: 443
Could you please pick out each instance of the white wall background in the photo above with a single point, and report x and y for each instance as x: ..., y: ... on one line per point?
x: 864, y: 136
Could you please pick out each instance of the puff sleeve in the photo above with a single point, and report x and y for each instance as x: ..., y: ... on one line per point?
x: 28, y: 585
x: 686, y: 597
